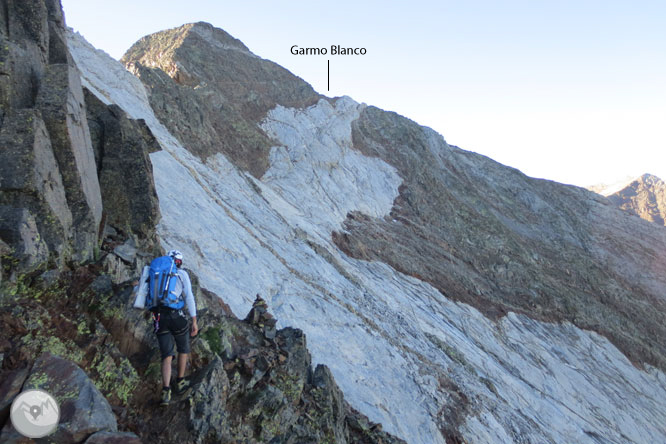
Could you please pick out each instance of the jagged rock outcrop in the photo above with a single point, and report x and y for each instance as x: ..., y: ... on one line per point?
x: 46, y: 149
x: 249, y: 384
x: 644, y: 197
x: 60, y: 99
x: 121, y: 146
x: 211, y: 91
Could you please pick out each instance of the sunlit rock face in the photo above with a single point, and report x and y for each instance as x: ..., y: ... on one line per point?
x: 452, y: 297
x: 211, y: 91
x: 644, y: 197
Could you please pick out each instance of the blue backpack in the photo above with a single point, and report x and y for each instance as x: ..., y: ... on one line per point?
x: 163, y: 277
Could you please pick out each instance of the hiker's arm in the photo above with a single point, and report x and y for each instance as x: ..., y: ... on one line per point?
x: 195, y: 328
x: 189, y: 297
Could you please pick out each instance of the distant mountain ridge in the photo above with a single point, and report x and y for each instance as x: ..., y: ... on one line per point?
x: 644, y: 197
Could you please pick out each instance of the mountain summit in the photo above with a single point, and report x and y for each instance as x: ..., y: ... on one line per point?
x: 207, y: 86
x: 644, y: 197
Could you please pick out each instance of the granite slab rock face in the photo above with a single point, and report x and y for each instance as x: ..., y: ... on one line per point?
x: 61, y: 101
x: 121, y: 146
x: 207, y: 86
x: 30, y: 182
x: 46, y: 143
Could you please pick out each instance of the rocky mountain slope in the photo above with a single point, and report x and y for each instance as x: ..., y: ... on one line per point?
x: 454, y: 299
x: 78, y: 215
x: 218, y: 96
x: 644, y: 197
x: 489, y: 306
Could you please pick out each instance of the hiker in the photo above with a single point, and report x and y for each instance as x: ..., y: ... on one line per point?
x: 168, y: 289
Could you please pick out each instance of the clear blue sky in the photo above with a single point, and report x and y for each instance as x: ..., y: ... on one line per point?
x: 573, y: 91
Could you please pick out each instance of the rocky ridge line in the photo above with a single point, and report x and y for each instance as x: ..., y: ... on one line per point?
x: 97, y: 355
x: 71, y: 163
x: 216, y: 97
x: 504, y: 239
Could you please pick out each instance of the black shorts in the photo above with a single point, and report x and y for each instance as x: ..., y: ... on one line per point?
x: 173, y: 326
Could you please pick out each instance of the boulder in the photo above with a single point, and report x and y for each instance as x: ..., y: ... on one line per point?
x: 121, y: 146
x: 83, y: 409
x: 126, y: 251
x: 30, y: 179
x: 208, y: 415
x: 117, y: 269
x: 60, y: 100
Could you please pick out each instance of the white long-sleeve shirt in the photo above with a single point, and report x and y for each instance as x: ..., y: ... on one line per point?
x: 184, y: 284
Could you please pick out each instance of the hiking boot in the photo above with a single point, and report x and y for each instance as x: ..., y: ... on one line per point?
x: 182, y: 385
x: 166, y: 396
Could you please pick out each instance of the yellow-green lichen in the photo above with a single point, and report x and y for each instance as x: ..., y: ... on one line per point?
x: 290, y: 385
x: 39, y: 344
x: 113, y: 379
x: 82, y: 328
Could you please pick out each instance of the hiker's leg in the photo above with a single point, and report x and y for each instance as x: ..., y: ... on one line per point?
x: 167, y: 354
x: 182, y: 338
x: 182, y: 364
x: 166, y: 371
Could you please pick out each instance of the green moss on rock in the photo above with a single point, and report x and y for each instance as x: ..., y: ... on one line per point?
x: 212, y: 336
